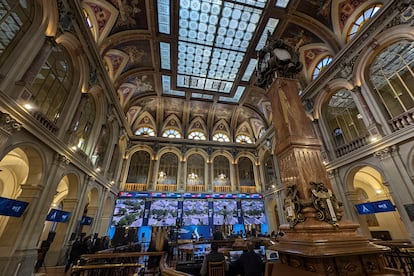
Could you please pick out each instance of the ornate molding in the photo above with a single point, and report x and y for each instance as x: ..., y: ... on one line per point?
x: 384, y: 153
x: 8, y: 124
x: 292, y: 206
x: 327, y: 206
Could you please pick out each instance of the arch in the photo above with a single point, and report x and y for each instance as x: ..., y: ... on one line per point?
x: 172, y: 122
x: 221, y: 127
x: 382, y: 41
x: 50, y: 17
x: 136, y: 148
x: 145, y: 120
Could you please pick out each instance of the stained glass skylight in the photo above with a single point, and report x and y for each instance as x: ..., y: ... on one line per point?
x: 249, y: 69
x: 166, y: 87
x: 213, y: 38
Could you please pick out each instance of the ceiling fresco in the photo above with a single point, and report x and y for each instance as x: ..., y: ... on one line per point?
x: 196, y: 59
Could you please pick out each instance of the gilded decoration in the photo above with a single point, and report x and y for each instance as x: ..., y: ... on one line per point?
x: 327, y: 206
x: 292, y: 206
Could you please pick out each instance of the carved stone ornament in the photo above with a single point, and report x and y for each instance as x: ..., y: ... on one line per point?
x: 8, y: 124
x: 292, y: 206
x: 276, y: 59
x: 327, y: 206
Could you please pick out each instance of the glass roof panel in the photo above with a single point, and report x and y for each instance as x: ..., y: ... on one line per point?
x: 213, y: 38
x: 163, y: 16
x: 236, y: 97
x: 165, y: 54
x: 166, y: 87
x: 249, y: 69
x: 270, y: 27
x: 282, y: 3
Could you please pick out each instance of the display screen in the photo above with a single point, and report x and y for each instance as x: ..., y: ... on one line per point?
x: 128, y: 212
x: 195, y: 212
x: 12, y: 208
x: 163, y: 212
x: 253, y: 212
x: 225, y: 212
x: 375, y: 207
x: 58, y: 216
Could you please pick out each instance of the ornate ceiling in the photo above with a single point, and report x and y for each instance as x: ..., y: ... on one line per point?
x: 195, y: 60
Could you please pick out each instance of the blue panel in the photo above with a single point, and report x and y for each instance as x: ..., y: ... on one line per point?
x: 11, y: 207
x: 58, y: 216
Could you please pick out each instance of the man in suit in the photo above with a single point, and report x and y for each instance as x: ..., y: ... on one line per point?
x: 250, y: 263
x: 213, y: 256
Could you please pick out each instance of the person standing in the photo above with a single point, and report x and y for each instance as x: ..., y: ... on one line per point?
x: 250, y: 263
x: 76, y: 251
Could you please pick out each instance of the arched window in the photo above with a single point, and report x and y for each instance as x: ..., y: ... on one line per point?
x: 195, y: 170
x: 52, y: 85
x: 221, y: 137
x: 171, y: 133
x: 14, y: 22
x: 343, y: 118
x: 83, y: 123
x: 321, y: 66
x: 168, y: 169
x: 221, y: 170
x: 243, y: 139
x: 361, y: 20
x: 139, y: 168
x: 196, y: 135
x: 391, y: 75
x: 246, y: 174
x: 145, y: 131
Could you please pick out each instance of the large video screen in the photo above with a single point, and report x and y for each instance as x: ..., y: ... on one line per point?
x: 195, y: 212
x: 163, y: 212
x: 225, y: 212
x: 253, y: 212
x: 128, y: 212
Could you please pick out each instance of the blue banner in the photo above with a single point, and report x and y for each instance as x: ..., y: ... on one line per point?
x: 375, y: 207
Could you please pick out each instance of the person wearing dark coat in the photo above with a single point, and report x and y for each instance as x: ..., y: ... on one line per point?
x: 76, y: 251
x: 213, y: 256
x: 250, y: 263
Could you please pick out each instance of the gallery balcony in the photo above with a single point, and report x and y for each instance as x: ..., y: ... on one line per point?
x: 248, y: 189
x: 166, y: 188
x: 222, y: 189
x: 130, y: 187
x: 196, y: 188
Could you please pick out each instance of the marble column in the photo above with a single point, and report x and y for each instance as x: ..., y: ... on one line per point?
x: 317, y: 238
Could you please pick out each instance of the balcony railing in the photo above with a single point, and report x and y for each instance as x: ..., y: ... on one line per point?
x: 403, y: 120
x: 352, y: 146
x: 222, y: 189
x: 248, y: 189
x: 166, y: 188
x: 196, y: 188
x: 135, y: 187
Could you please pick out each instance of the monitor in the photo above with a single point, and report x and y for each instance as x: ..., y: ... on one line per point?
x: 11, y: 207
x: 235, y: 255
x: 272, y: 255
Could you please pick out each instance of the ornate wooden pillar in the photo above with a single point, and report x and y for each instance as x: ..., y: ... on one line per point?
x: 316, y: 238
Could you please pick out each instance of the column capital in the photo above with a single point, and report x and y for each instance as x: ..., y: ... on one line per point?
x: 385, y: 152
x: 8, y: 124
